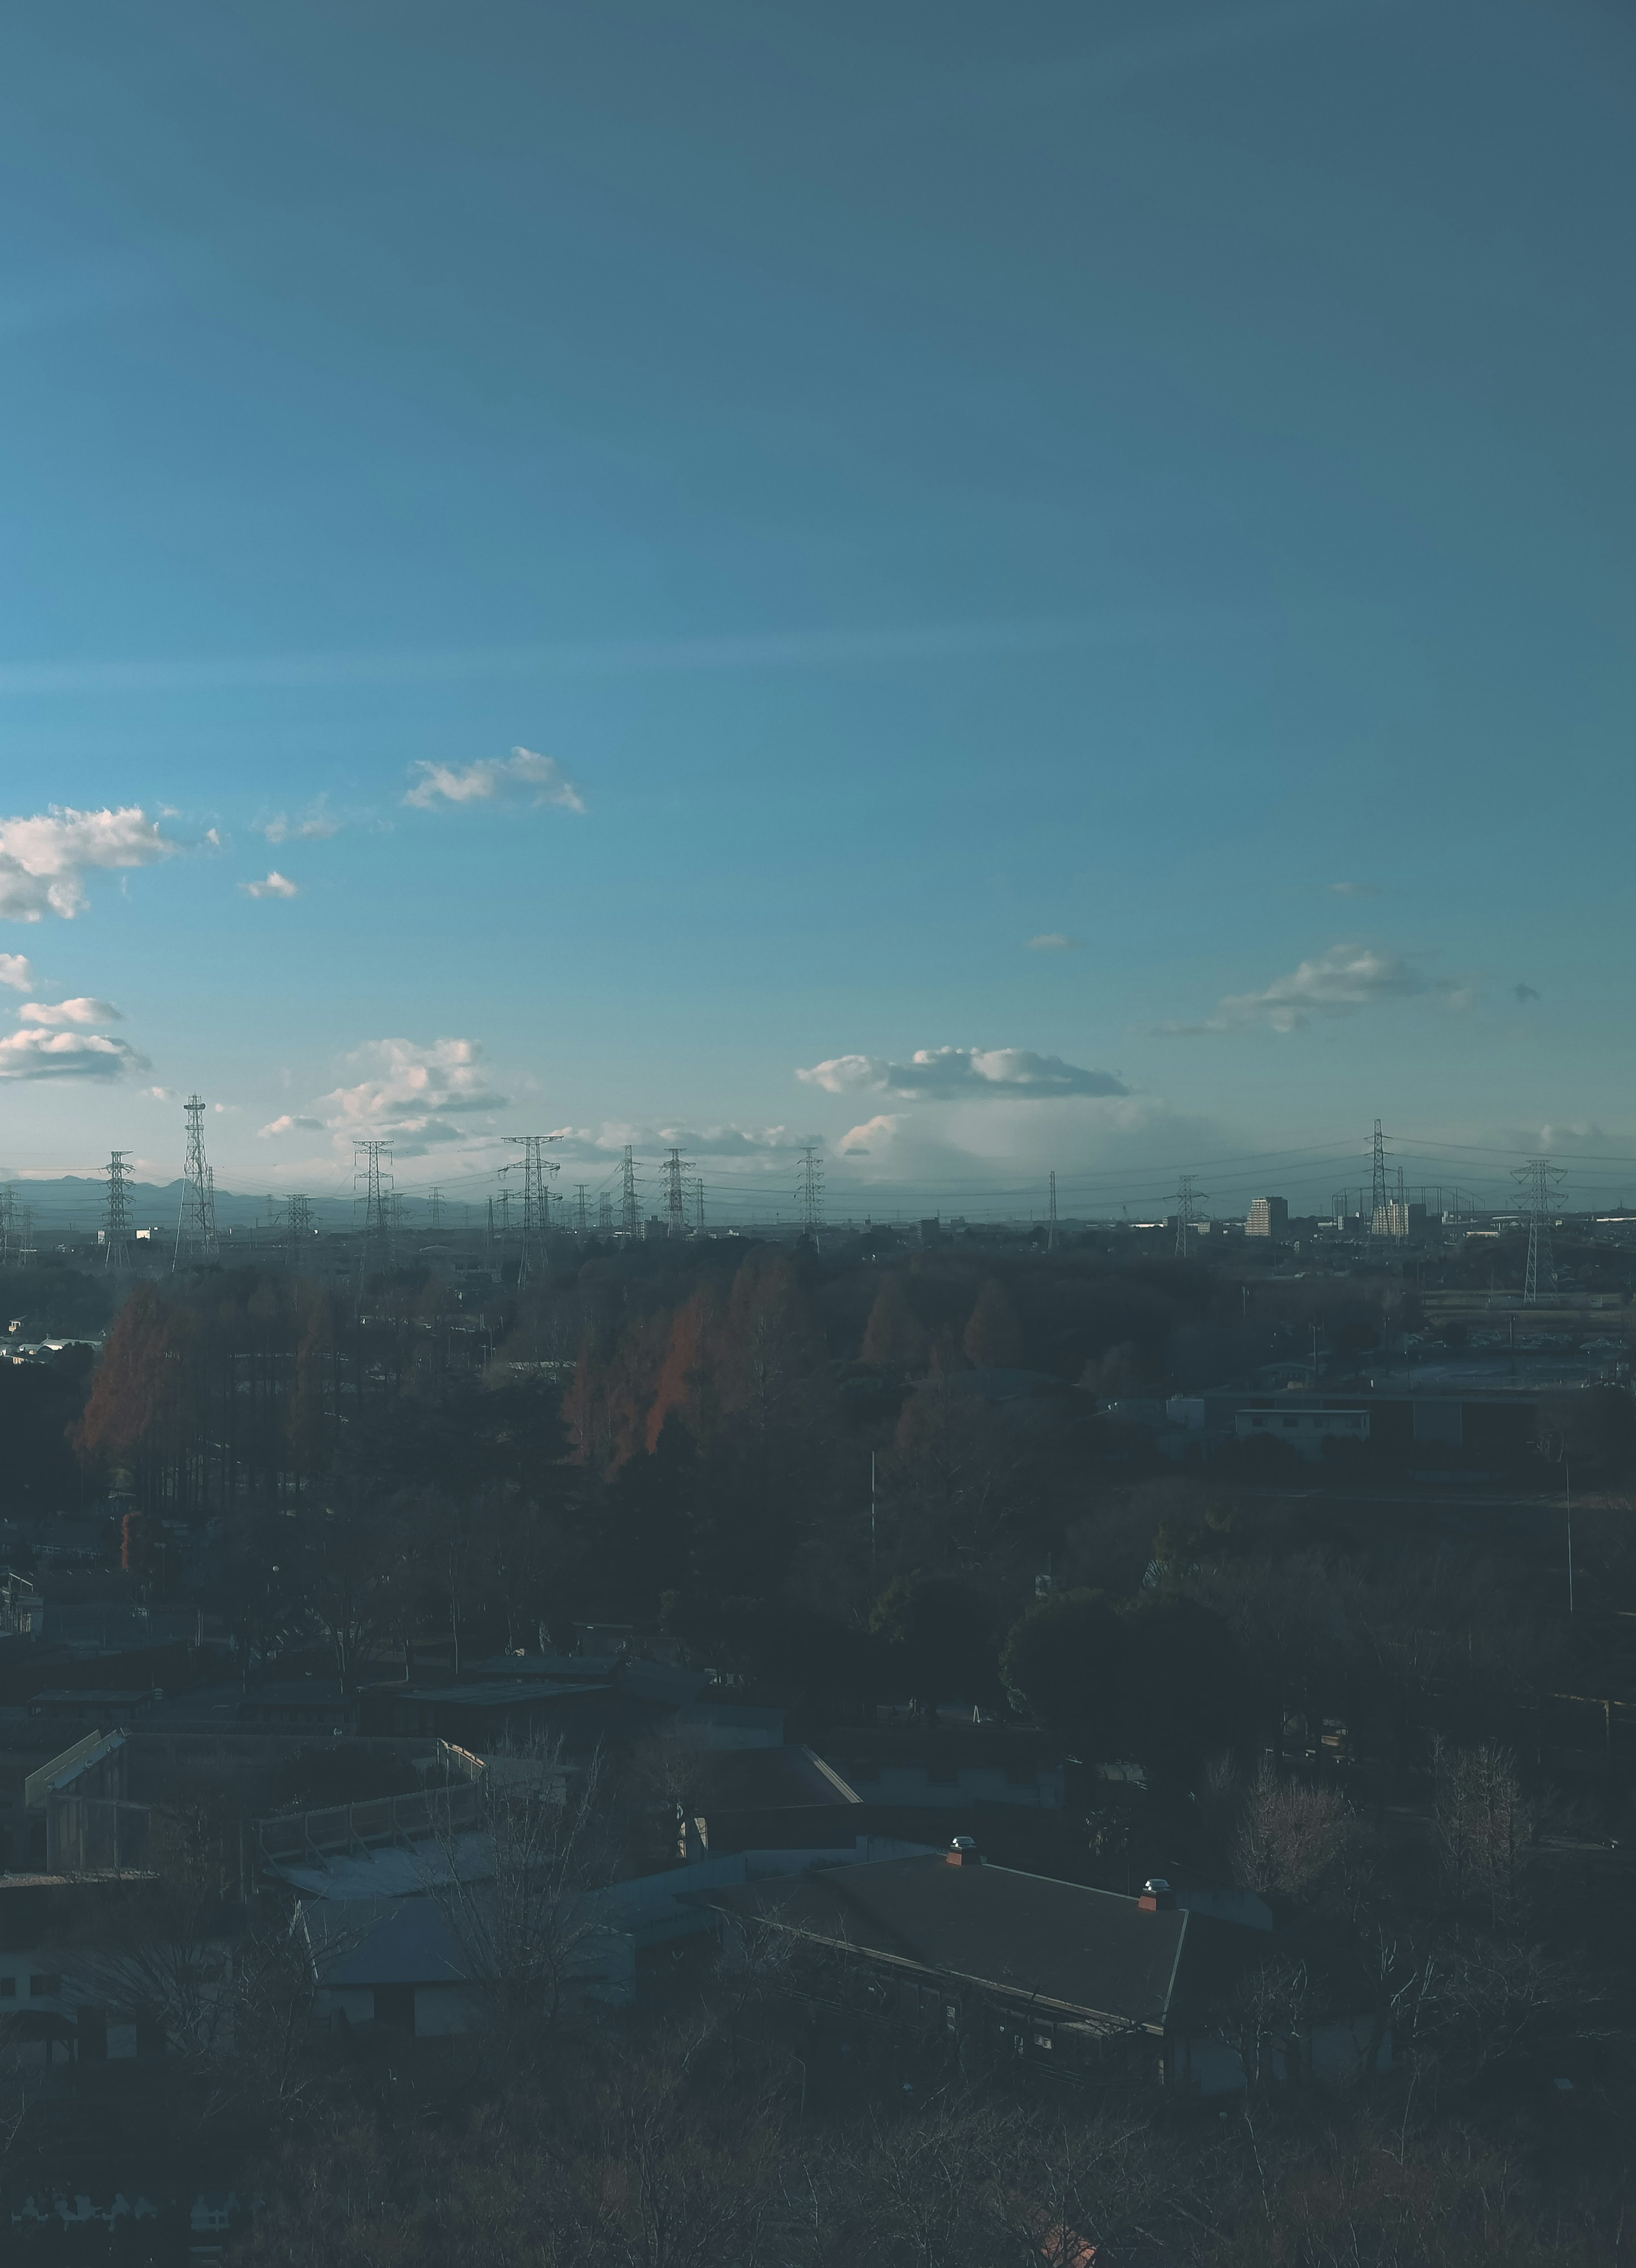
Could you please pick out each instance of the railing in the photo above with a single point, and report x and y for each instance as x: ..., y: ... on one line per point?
x: 343, y: 1828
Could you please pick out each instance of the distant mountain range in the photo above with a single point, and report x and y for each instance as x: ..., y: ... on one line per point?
x: 78, y: 1202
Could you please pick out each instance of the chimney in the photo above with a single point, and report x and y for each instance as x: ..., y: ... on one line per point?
x: 1156, y: 1897
x: 962, y: 1852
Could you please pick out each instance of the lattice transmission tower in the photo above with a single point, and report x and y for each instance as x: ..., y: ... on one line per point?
x: 1050, y: 1223
x: 537, y: 1170
x: 605, y: 1212
x: 698, y: 1204
x: 582, y: 1191
x: 1188, y: 1200
x: 372, y: 1163
x: 1380, y: 1201
x: 675, y: 1194
x: 434, y: 1207
x: 196, y: 1221
x: 809, y: 1189
x: 1539, y: 1178
x: 297, y: 1228
x: 7, y: 1224
x: 630, y: 1217
x: 116, y: 1235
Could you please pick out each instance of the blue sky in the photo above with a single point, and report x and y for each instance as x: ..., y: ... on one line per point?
x: 913, y: 482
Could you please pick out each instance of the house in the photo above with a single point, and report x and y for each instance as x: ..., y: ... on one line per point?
x: 1021, y: 1968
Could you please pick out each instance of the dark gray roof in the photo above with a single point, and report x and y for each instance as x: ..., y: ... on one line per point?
x: 365, y: 1941
x: 1086, y: 1951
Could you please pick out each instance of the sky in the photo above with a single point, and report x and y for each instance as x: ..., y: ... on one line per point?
x: 990, y: 591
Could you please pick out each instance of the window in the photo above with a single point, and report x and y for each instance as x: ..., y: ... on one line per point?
x: 39, y: 1987
x: 8, y: 1988
x: 1044, y: 2038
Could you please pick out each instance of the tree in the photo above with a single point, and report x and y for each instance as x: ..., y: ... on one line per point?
x: 934, y: 1633
x: 1289, y: 1837
x: 1484, y: 1826
x: 993, y: 1340
x: 893, y: 1337
x: 1183, y: 1685
x: 1063, y: 1659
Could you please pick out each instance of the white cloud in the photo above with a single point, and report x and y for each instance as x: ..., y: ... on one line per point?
x: 1331, y: 984
x: 492, y: 778
x: 163, y: 1093
x: 962, y: 1075
x: 874, y: 1135
x: 317, y: 824
x: 32, y: 1053
x: 597, y: 1144
x: 412, y: 1093
x: 275, y: 886
x: 1054, y: 941
x: 44, y: 860
x: 1355, y: 889
x: 71, y: 1011
x: 16, y: 970
x: 290, y: 1125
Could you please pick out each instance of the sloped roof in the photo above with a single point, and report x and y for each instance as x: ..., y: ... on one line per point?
x: 1088, y: 1952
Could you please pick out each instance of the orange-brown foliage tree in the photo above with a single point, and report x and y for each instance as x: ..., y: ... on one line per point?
x: 893, y: 1336
x: 993, y: 1340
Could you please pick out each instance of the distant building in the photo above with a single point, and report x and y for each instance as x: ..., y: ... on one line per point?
x: 1397, y: 1218
x: 1268, y: 1216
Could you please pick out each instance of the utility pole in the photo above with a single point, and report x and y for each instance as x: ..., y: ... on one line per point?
x: 373, y: 1160
x: 1188, y: 1199
x: 630, y: 1219
x: 116, y: 1244
x: 809, y: 1189
x: 298, y: 1228
x: 196, y: 1221
x: 1538, y: 1179
x: 1051, y: 1230
x: 873, y: 1510
x: 536, y: 1199
x: 676, y: 1206
x: 8, y: 1223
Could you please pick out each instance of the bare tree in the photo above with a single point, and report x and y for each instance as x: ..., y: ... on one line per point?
x: 519, y: 1892
x: 1484, y: 1828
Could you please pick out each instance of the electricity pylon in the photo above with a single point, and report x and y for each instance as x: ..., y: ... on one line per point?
x: 1050, y: 1225
x: 809, y: 1189
x: 373, y: 1160
x: 675, y: 1201
x: 116, y: 1239
x: 1187, y: 1201
x: 298, y: 1228
x: 1539, y: 1178
x: 629, y: 1218
x: 196, y: 1221
x: 536, y: 1199
x: 1380, y: 1215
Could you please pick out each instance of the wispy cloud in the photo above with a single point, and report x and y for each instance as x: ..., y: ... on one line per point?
x: 317, y: 824
x: 290, y: 1123
x: 275, y: 886
x: 82, y: 1013
x: 493, y: 779
x: 732, y: 653
x: 1335, y: 983
x: 1053, y: 940
x: 1355, y: 889
x: 45, y: 859
x: 962, y: 1075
